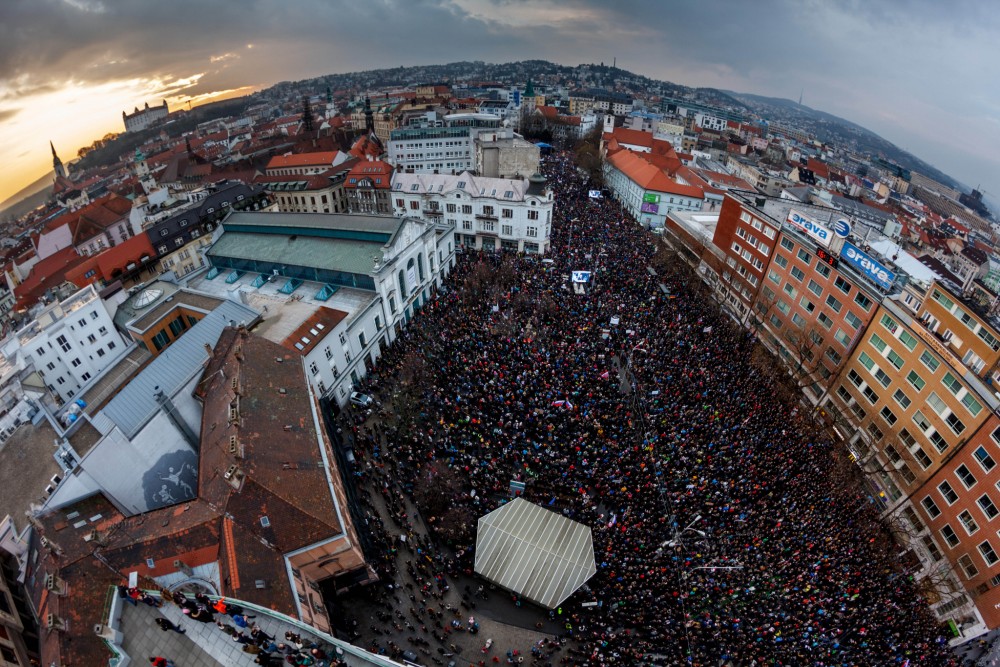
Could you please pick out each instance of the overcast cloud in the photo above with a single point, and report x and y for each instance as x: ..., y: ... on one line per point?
x: 923, y: 74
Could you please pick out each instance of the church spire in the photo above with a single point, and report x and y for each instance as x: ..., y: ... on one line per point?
x: 529, y: 90
x: 57, y: 164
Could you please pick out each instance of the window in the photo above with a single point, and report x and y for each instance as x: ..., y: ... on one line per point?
x: 798, y: 320
x: 930, y: 507
x: 971, y: 404
x: 984, y: 458
x: 888, y: 416
x: 842, y: 338
x: 932, y: 549
x: 781, y: 261
x: 877, y: 343
x: 832, y: 301
x: 853, y: 320
x: 907, y: 339
x: 808, y: 305
x: 786, y: 243
x: 990, y: 556
x: 950, y: 536
x: 986, y: 505
x: 921, y: 457
x: 804, y: 256
x: 824, y: 320
x: 362, y: 340
x: 920, y: 420
x: 467, y: 209
x: 63, y: 343
x: 937, y: 404
x: 91, y: 338
x: 863, y: 301
x: 532, y: 232
x: 870, y: 394
x: 507, y: 230
x: 895, y: 359
x: 815, y: 288
x: 901, y: 398
x: 965, y: 476
x: 798, y: 273
x: 328, y: 352
x: 842, y: 285
x: 968, y: 522
x: 955, y: 424
x: 532, y: 215
x: 928, y: 360
x: 833, y: 356
x: 774, y: 277
x: 790, y: 290
x: 313, y: 368
x: 823, y: 270
x: 783, y: 307
x: 947, y: 492
x: 111, y: 345
x: 968, y: 567
x: 915, y: 380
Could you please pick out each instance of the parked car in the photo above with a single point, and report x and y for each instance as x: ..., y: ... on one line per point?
x: 362, y: 400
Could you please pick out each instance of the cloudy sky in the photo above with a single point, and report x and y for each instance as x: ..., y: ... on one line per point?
x: 922, y: 73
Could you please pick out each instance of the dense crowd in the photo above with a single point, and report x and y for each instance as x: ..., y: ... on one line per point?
x: 719, y: 531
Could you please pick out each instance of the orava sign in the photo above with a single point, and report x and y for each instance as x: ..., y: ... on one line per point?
x: 820, y: 233
x: 871, y: 269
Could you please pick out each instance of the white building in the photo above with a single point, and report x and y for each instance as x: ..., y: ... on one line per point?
x: 646, y: 191
x: 69, y: 342
x: 337, y: 289
x: 488, y: 213
x: 429, y: 147
x: 140, y: 119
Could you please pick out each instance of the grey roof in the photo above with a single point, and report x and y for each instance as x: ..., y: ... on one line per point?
x: 176, y: 365
x: 321, y: 253
x: 861, y: 210
x: 384, y: 224
x: 535, y: 553
x: 128, y: 310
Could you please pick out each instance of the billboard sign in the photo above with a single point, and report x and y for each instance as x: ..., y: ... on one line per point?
x: 868, y: 267
x: 813, y: 229
x: 651, y: 198
x: 581, y: 276
x: 595, y: 194
x: 650, y: 208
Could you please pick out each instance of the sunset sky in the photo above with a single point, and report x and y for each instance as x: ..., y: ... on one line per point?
x: 923, y: 74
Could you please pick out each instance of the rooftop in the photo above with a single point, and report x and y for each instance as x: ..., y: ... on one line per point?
x: 26, y: 466
x: 204, y: 645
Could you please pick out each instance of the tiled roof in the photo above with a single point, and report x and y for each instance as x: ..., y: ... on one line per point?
x: 313, y: 330
x: 46, y: 274
x: 372, y: 169
x: 650, y: 176
x: 302, y: 160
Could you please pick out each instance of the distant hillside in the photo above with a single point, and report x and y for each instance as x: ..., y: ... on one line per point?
x: 28, y: 198
x: 827, y: 127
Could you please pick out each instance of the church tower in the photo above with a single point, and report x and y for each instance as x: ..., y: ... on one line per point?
x: 369, y: 116
x: 57, y: 164
x: 142, y: 172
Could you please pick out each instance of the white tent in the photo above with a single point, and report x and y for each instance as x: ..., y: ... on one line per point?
x: 537, y: 554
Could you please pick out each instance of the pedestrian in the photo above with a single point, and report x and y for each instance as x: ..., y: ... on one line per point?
x: 159, y: 661
x: 167, y: 625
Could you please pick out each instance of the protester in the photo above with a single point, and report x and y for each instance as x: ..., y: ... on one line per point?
x: 719, y: 532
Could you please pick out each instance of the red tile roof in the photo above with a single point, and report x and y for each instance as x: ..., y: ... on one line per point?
x: 649, y: 176
x: 46, y: 274
x: 302, y: 160
x: 371, y: 169
x: 319, y: 325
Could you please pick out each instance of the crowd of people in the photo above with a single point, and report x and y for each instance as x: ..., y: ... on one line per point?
x: 718, y: 530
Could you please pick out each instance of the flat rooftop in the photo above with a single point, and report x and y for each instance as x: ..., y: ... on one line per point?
x: 699, y: 224
x: 26, y: 466
x: 205, y: 645
x: 281, y: 313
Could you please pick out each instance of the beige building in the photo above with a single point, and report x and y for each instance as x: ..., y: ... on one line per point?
x: 506, y: 157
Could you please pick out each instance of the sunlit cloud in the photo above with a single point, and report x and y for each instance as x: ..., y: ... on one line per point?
x: 89, y: 6
x: 223, y: 58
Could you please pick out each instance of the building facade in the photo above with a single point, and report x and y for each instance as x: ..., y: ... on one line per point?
x: 646, y: 191
x: 140, y: 119
x: 447, y: 149
x: 488, y: 213
x: 69, y: 342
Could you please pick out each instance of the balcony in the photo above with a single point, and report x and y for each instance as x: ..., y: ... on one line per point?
x: 487, y: 216
x: 433, y: 211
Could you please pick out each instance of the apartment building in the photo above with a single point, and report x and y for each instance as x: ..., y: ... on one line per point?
x: 810, y: 308
x: 443, y: 146
x: 487, y: 213
x: 68, y: 343
x: 747, y: 237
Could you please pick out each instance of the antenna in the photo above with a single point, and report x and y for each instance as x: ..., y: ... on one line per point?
x: 800, y: 94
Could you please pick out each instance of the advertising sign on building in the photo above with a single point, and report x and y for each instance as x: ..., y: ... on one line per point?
x: 842, y: 228
x: 650, y: 208
x: 868, y: 267
x: 651, y: 198
x: 813, y: 229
